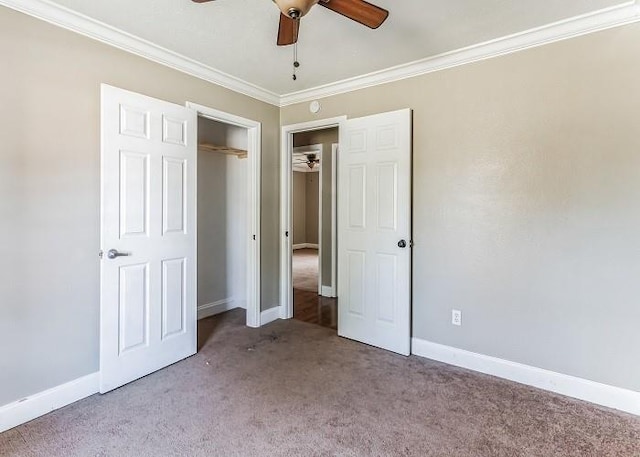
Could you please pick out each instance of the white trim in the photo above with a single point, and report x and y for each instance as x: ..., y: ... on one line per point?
x: 295, y: 247
x: 320, y: 178
x: 254, y: 155
x: 571, y: 386
x: 286, y: 201
x: 615, y: 16
x: 269, y: 315
x: 328, y: 291
x: 89, y: 27
x: 334, y: 220
x: 217, y: 307
x: 596, y: 21
x: 28, y: 408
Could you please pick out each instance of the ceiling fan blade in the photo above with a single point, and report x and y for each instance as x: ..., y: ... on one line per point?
x: 202, y: 1
x: 288, y: 30
x: 358, y: 10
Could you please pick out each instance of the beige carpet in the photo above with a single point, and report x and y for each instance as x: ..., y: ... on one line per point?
x: 305, y: 269
x: 296, y: 389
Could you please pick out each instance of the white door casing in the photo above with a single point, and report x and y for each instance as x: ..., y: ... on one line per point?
x: 286, y: 205
x: 254, y: 132
x: 374, y: 215
x: 148, y: 212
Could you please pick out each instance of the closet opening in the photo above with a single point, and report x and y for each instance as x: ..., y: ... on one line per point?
x: 227, y: 220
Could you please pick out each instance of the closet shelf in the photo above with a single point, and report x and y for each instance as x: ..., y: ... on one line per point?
x: 239, y: 153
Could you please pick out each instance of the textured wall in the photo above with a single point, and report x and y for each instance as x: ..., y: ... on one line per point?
x: 526, y: 208
x: 50, y: 192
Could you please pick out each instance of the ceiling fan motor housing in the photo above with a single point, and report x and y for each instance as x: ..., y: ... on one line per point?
x: 295, y: 9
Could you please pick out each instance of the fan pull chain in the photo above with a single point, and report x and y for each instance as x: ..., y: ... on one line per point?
x: 296, y: 64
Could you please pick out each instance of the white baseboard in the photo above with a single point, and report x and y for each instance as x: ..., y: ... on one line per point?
x: 220, y: 306
x: 571, y: 386
x: 44, y: 402
x: 305, y: 246
x: 270, y: 315
x: 328, y: 292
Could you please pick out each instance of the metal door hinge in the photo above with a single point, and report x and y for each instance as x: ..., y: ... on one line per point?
x: 286, y: 234
x: 254, y: 237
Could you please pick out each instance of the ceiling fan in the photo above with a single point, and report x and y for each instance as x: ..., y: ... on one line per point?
x: 311, y: 160
x: 292, y: 10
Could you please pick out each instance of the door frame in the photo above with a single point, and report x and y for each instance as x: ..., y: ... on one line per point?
x: 286, y: 202
x: 254, y: 152
x: 333, y: 290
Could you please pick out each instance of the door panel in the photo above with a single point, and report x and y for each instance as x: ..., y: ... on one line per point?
x: 148, y: 294
x: 134, y: 306
x: 386, y: 279
x: 387, y: 196
x: 174, y: 184
x: 357, y: 196
x: 134, y: 122
x: 174, y: 288
x: 356, y: 277
x: 374, y: 214
x: 134, y: 194
x: 174, y: 131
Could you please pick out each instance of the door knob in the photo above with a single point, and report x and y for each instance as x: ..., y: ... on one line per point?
x: 113, y: 253
x: 402, y: 244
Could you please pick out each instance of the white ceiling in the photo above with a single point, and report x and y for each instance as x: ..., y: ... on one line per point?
x: 238, y: 36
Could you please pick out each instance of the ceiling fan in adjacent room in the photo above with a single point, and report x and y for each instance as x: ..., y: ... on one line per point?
x: 292, y: 10
x: 310, y: 160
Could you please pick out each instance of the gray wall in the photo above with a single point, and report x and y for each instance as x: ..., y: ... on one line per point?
x: 212, y: 227
x: 526, y: 185
x: 222, y: 216
x: 312, y: 207
x: 50, y: 192
x: 306, y: 210
x: 299, y: 189
x: 526, y: 209
x: 326, y: 137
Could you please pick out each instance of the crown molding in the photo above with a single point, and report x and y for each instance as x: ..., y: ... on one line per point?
x: 618, y: 15
x: 622, y: 14
x: 84, y: 25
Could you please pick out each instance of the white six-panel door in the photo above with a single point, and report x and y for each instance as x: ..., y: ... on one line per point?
x: 148, y: 289
x: 374, y: 219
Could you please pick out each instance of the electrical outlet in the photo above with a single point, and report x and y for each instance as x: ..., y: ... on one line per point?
x: 456, y: 317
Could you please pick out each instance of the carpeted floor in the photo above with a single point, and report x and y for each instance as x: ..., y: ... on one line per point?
x: 296, y: 389
x: 305, y: 269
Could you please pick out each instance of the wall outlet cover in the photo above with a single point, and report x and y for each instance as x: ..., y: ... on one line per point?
x: 456, y: 317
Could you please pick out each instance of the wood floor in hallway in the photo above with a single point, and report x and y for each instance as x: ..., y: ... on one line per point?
x: 308, y: 306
